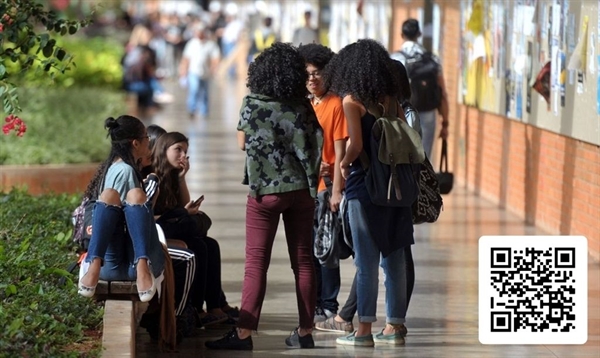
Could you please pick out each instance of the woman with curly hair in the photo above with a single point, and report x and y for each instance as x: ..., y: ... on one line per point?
x: 282, y: 138
x: 124, y: 243
x: 364, y: 76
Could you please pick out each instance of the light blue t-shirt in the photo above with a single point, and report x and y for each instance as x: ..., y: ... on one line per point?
x: 121, y: 177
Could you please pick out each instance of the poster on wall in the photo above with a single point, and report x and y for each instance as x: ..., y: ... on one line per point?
x: 519, y: 63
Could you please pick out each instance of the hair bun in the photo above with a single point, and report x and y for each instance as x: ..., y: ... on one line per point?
x: 110, y: 123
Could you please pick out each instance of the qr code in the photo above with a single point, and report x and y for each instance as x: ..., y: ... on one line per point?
x: 533, y: 290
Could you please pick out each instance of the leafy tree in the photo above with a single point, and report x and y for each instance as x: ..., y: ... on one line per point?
x: 26, y: 44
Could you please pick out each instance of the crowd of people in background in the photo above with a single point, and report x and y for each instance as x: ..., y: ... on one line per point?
x: 194, y: 48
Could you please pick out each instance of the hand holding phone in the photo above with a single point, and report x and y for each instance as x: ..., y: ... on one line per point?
x: 198, y: 201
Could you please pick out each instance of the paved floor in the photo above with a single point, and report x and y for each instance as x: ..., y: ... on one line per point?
x: 443, y: 315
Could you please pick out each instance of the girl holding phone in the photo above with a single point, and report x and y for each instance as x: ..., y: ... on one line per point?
x: 180, y: 218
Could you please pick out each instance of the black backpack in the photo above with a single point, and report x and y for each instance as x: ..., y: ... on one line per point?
x: 423, y: 72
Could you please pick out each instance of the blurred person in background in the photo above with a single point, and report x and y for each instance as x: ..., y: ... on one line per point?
x: 306, y: 34
x: 264, y: 37
x: 411, y: 51
x: 231, y: 35
x: 200, y: 60
x: 173, y: 38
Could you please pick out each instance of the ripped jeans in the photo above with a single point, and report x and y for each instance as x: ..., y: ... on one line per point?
x: 120, y: 237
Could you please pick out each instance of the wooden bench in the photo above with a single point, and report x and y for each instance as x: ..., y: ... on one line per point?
x: 120, y: 317
x: 121, y: 309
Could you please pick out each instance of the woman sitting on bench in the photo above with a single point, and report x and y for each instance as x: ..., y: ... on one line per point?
x: 124, y: 243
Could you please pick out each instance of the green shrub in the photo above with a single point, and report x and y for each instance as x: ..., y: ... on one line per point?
x: 97, y: 59
x: 39, y: 315
x: 97, y: 63
x: 64, y: 125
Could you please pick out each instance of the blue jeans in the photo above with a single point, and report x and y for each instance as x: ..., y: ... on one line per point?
x: 428, y: 122
x: 328, y: 286
x: 366, y: 258
x: 120, y: 250
x: 349, y: 310
x: 197, y: 98
x: 152, y: 85
x: 228, y: 48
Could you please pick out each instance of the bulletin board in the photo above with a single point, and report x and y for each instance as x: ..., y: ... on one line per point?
x: 535, y: 61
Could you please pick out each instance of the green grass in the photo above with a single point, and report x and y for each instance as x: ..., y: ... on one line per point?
x: 64, y: 125
x: 40, y: 316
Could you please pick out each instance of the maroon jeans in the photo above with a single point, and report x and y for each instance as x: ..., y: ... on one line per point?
x: 262, y: 217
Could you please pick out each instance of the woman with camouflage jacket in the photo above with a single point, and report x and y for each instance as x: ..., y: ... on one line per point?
x: 282, y: 138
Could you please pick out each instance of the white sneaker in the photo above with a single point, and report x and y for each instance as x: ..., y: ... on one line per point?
x: 322, y: 315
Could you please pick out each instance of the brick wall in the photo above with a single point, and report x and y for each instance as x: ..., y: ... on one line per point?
x: 44, y: 179
x: 550, y: 180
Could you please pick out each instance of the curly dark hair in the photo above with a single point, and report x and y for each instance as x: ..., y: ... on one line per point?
x: 278, y: 72
x: 316, y: 54
x: 122, y: 131
x: 363, y: 70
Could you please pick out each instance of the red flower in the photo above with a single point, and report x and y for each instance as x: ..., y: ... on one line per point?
x: 14, y: 123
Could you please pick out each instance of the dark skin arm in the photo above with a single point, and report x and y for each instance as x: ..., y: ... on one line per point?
x: 353, y: 110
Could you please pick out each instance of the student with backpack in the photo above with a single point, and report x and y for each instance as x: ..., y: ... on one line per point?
x: 427, y: 83
x: 363, y: 74
x: 342, y: 322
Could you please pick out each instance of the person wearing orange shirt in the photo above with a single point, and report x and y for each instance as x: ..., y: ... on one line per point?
x: 330, y: 113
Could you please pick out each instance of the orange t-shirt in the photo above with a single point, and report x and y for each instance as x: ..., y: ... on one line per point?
x: 330, y: 114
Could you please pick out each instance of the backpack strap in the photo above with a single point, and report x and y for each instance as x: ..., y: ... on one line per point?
x: 328, y: 183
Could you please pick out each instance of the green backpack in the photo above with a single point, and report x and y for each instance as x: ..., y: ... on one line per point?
x: 396, y: 152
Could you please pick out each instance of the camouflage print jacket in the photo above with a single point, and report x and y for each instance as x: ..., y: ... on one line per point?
x: 283, y: 145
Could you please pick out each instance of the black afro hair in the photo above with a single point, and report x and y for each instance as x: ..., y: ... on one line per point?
x: 363, y: 70
x: 278, y: 72
x: 316, y: 55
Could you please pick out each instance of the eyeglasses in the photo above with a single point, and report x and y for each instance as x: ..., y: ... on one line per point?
x: 314, y: 74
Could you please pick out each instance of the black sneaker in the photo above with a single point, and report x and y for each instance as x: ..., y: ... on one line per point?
x: 295, y: 341
x: 231, y: 341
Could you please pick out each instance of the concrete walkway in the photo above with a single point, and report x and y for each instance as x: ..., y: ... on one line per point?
x: 443, y: 316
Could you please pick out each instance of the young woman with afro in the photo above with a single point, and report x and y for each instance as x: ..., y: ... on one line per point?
x: 282, y: 138
x: 363, y: 74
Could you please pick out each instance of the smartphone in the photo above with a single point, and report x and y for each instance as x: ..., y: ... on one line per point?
x: 198, y: 201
